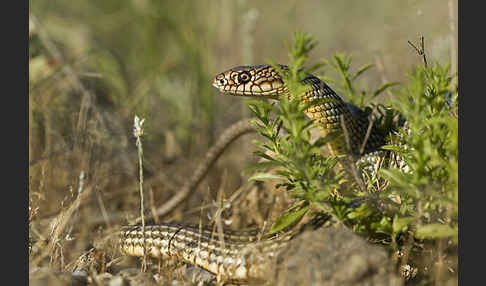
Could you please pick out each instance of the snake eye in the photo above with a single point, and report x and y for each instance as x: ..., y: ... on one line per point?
x: 244, y: 77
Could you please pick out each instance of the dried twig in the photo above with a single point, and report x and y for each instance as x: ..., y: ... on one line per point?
x: 421, y: 51
x: 138, y: 132
x: 367, y: 135
x: 152, y: 205
x: 59, y: 224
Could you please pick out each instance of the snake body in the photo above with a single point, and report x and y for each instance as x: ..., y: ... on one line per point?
x: 233, y: 255
x: 236, y: 255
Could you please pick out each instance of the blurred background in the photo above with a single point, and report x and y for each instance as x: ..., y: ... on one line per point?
x: 94, y: 65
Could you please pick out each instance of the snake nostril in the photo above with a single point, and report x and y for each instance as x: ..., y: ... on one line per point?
x: 221, y: 81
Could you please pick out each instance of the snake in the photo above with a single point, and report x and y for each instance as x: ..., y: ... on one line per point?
x: 327, y: 108
x: 230, y: 255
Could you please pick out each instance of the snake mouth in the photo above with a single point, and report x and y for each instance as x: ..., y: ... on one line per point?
x: 246, y: 93
x: 221, y: 83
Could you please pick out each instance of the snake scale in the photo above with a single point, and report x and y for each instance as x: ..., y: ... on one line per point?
x: 232, y: 256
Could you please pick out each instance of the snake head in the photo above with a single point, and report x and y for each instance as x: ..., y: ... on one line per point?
x: 259, y: 80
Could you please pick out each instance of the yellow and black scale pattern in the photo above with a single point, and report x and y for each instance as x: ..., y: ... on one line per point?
x: 265, y: 81
x: 237, y: 255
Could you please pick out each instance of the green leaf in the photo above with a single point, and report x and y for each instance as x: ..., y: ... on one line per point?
x: 400, y: 224
x: 315, y: 67
x: 383, y: 226
x: 435, y: 230
x: 263, y: 154
x: 396, y: 176
x: 260, y: 166
x: 362, y: 70
x: 265, y: 176
x: 363, y: 211
x: 288, y: 219
x: 395, y: 148
x: 383, y: 88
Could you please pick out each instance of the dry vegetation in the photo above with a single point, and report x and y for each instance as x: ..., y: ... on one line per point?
x: 94, y: 65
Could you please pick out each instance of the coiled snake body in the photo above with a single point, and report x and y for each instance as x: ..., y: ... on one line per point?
x: 230, y: 256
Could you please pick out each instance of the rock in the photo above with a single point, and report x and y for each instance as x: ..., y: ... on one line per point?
x: 334, y: 256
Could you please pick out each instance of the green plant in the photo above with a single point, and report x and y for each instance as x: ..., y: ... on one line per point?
x: 429, y: 147
x: 308, y: 175
x: 426, y: 188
